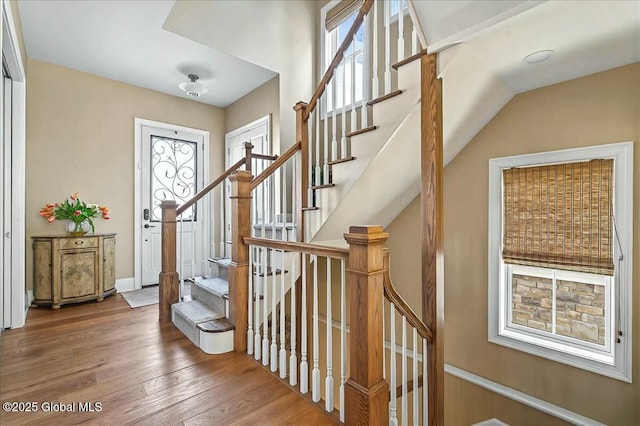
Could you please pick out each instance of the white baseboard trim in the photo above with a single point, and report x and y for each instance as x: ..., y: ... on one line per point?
x: 29, y: 298
x: 125, y: 284
x: 491, y: 422
x: 521, y: 397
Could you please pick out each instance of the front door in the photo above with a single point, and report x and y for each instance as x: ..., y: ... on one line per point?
x: 256, y: 133
x: 172, y: 169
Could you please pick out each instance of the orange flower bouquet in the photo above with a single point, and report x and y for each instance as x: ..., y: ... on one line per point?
x: 76, y: 212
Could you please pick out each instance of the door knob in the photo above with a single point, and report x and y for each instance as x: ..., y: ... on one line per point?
x: 146, y: 225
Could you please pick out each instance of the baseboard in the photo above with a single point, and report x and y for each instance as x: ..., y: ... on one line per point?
x: 125, y: 284
x: 491, y: 422
x: 29, y: 298
x: 521, y: 397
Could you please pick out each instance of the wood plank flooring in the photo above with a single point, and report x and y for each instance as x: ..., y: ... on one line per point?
x: 134, y: 370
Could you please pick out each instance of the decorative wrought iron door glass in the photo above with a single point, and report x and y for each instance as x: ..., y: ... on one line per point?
x: 173, y: 174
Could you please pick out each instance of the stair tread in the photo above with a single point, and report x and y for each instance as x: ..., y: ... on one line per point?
x: 225, y: 261
x: 341, y: 160
x: 217, y: 286
x: 409, y: 59
x: 384, y: 97
x: 358, y: 132
x: 326, y: 185
x: 219, y: 325
x: 195, y: 311
x: 278, y: 271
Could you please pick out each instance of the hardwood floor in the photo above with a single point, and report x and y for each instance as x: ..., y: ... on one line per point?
x: 133, y: 370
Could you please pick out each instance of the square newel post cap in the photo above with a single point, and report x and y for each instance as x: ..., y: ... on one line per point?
x: 300, y: 105
x: 241, y: 176
x: 366, y: 235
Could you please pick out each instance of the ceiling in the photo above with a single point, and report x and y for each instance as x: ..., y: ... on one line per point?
x: 124, y: 41
x: 482, y: 45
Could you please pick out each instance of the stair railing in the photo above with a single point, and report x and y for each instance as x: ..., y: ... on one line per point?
x: 405, y: 357
x: 353, y: 82
x: 171, y: 277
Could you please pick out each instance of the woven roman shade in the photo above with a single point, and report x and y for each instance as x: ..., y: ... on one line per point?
x: 560, y: 216
x: 340, y: 12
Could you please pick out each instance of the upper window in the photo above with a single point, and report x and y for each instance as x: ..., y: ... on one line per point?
x: 560, y: 256
x: 347, y: 85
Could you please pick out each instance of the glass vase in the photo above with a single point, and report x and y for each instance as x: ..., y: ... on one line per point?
x: 78, y: 229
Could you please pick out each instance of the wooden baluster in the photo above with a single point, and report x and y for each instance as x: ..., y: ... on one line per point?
x: 405, y: 378
x: 343, y: 139
x: 328, y: 385
x: 257, y: 339
x: 325, y: 164
x: 375, y: 82
x: 334, y: 120
x: 239, y: 265
x: 293, y: 357
x: 364, y: 120
x: 425, y: 383
x: 387, y: 48
x: 283, y: 349
x: 393, y: 411
x: 304, y: 365
x: 414, y: 40
x: 400, y: 31
x: 265, y: 312
x: 274, y: 301
x: 315, y: 373
x: 250, y: 305
x: 416, y: 408
x: 168, y: 278
x: 354, y: 114
x: 366, y: 392
x: 432, y: 232
x: 343, y: 336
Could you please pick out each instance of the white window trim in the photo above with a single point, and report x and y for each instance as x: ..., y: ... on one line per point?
x: 366, y: 51
x: 622, y: 154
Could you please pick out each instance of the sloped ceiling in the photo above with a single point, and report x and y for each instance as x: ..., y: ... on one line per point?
x: 482, y: 45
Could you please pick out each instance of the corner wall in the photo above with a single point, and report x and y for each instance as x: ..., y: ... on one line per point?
x: 80, y: 137
x: 597, y: 109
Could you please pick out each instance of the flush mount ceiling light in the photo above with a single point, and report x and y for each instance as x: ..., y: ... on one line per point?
x: 539, y: 56
x: 192, y: 88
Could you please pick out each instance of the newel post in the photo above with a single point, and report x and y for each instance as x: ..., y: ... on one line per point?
x: 239, y: 267
x: 302, y: 168
x: 168, y: 278
x: 366, y: 391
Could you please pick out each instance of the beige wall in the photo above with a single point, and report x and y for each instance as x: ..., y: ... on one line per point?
x: 254, y: 105
x: 80, y: 137
x: 597, y: 109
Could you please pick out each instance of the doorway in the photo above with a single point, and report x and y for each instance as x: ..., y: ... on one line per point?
x: 258, y: 133
x: 13, y: 296
x: 172, y: 165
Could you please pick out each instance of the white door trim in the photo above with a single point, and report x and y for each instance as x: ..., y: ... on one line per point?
x: 247, y: 127
x: 137, y: 161
x: 13, y: 57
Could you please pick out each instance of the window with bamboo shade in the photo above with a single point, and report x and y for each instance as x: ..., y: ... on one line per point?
x: 560, y: 216
x: 560, y: 256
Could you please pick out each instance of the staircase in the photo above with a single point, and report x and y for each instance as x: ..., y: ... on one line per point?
x: 274, y: 297
x: 204, y: 318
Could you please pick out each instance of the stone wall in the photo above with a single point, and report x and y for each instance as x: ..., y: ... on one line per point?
x: 580, y: 307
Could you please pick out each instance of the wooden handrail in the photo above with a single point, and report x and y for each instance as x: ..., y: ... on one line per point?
x: 409, y: 385
x: 326, y: 251
x: 275, y: 165
x: 392, y: 296
x: 265, y: 157
x: 209, y: 187
x: 348, y: 39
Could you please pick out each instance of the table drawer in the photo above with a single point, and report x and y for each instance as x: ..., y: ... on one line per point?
x: 77, y: 243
